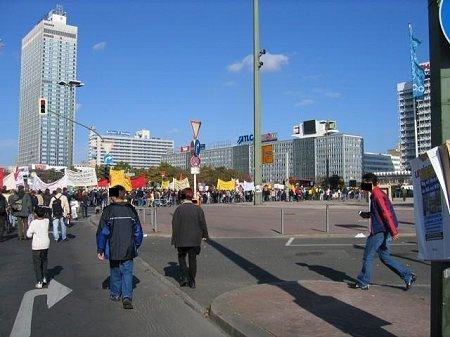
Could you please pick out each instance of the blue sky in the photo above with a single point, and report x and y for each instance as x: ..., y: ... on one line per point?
x: 158, y: 64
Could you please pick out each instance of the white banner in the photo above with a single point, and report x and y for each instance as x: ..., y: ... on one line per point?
x: 87, y: 177
x: 37, y: 184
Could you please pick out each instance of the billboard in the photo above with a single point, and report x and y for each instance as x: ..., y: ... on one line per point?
x: 309, y: 127
x: 266, y: 137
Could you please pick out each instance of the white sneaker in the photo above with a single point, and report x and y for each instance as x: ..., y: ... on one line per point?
x: 44, y: 280
x: 39, y: 285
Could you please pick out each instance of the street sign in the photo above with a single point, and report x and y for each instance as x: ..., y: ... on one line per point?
x: 195, y: 170
x: 444, y: 18
x: 202, y: 147
x: 195, y: 161
x: 195, y: 128
x: 267, y: 154
x: 185, y: 149
x: 108, y: 160
x: 197, y: 147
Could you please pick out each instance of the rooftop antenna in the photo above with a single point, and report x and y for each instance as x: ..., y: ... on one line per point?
x: 59, y: 10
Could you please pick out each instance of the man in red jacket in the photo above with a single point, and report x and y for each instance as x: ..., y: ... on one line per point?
x: 383, y: 229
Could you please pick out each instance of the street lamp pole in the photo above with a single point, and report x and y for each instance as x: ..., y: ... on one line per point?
x: 72, y: 84
x: 257, y: 64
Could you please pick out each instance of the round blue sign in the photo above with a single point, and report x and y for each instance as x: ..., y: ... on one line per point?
x: 108, y: 160
x: 197, y: 147
x: 444, y: 18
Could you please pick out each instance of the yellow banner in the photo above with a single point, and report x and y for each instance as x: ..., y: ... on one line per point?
x: 117, y: 177
x: 180, y: 184
x: 165, y: 185
x: 226, y: 185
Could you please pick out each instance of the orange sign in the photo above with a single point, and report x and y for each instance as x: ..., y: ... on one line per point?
x: 267, y: 154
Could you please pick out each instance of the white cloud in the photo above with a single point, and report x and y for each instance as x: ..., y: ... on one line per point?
x: 99, y: 46
x: 173, y: 131
x: 333, y: 94
x: 305, y: 102
x: 271, y: 62
x: 229, y: 83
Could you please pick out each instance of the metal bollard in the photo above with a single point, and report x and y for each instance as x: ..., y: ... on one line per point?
x: 282, y: 222
x: 155, y: 225
x: 327, y: 218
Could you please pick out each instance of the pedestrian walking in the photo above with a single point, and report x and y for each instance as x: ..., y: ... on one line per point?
x: 383, y: 229
x: 38, y: 230
x: 60, y: 212
x: 188, y: 230
x: 21, y: 207
x: 119, y: 236
x: 3, y: 214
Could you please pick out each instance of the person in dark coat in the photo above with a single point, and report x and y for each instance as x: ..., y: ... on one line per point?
x: 188, y: 230
x: 119, y: 236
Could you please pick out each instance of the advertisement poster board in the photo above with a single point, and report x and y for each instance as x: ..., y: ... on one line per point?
x: 431, y: 204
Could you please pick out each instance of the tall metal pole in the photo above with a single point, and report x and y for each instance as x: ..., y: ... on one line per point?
x: 440, y: 126
x: 256, y: 106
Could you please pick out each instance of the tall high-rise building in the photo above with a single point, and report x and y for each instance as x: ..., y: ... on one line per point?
x: 49, y: 56
x: 423, y: 120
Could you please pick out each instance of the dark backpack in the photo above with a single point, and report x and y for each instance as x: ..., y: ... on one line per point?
x: 17, y: 206
x: 2, y: 206
x: 57, y: 208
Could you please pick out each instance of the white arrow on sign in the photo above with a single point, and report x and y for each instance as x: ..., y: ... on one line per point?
x: 55, y: 293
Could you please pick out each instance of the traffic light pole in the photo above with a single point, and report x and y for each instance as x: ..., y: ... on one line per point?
x: 75, y: 122
x: 257, y: 173
x: 440, y: 126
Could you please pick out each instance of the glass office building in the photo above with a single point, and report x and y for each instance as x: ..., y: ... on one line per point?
x: 49, y: 56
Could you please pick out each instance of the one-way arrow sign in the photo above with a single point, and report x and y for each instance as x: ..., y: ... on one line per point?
x: 55, y: 293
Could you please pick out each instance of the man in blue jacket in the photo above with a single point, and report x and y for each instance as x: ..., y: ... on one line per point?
x: 383, y: 229
x: 119, y: 235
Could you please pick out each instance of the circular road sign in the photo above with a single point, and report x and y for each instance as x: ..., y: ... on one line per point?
x: 108, y: 159
x: 195, y: 161
x: 197, y: 147
x: 444, y: 18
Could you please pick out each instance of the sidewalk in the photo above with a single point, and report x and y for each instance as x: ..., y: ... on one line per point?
x: 292, y: 309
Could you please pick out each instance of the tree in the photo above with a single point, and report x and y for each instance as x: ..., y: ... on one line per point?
x: 50, y: 176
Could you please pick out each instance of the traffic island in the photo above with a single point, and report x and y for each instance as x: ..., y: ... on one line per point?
x: 314, y: 308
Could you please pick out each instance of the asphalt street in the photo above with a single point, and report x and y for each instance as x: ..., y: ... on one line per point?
x: 229, y: 264
x: 87, y: 310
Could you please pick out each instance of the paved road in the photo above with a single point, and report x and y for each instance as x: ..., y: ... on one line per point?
x: 303, y: 218
x: 228, y: 264
x: 87, y: 311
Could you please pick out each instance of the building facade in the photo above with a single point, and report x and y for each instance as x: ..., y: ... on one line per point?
x: 422, y: 108
x: 49, y: 56
x: 380, y: 162
x: 308, y: 158
x: 139, y: 151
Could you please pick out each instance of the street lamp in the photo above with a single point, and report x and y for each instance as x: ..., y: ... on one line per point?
x: 71, y: 84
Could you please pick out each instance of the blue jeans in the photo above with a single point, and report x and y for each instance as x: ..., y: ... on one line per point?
x: 379, y: 243
x: 56, y: 223
x: 121, y: 279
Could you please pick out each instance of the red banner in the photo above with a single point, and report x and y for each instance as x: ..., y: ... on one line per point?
x: 2, y: 175
x: 103, y: 183
x: 139, y: 182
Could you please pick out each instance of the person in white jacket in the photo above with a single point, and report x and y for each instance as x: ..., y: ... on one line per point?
x: 38, y: 230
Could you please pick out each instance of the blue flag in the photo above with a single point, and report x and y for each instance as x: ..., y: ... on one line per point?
x: 417, y: 72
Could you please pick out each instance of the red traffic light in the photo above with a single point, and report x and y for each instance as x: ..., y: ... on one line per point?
x: 42, y: 106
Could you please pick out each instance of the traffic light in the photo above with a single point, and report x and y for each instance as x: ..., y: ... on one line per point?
x: 42, y: 106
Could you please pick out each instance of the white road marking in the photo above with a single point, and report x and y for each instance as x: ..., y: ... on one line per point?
x: 289, y: 242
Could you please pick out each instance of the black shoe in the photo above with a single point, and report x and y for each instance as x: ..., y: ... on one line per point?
x: 184, y: 283
x: 66, y: 239
x: 127, y: 303
x: 410, y: 282
x: 358, y: 285
x: 192, y: 284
